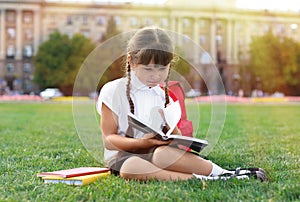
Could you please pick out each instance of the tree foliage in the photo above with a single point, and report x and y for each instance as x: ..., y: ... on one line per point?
x: 111, y: 29
x: 181, y: 65
x: 59, y: 59
x: 276, y: 61
x: 114, y: 68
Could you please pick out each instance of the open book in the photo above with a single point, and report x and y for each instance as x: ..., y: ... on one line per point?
x: 172, y: 115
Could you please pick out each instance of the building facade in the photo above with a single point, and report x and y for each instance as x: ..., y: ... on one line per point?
x: 221, y: 29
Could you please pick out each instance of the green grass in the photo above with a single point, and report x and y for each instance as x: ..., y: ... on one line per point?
x: 37, y: 137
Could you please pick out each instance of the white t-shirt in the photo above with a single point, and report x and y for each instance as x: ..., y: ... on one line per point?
x: 146, y: 101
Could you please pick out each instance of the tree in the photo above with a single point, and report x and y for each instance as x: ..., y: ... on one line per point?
x: 81, y: 47
x: 181, y: 65
x: 111, y: 29
x: 276, y: 61
x: 114, y: 69
x: 59, y: 59
x: 50, y: 60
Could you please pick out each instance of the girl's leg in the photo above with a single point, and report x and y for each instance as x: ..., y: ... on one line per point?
x: 173, y: 159
x: 139, y: 169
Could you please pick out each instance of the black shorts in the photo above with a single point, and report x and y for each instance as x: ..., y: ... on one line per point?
x: 116, y: 163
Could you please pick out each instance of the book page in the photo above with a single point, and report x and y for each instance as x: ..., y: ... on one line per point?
x: 156, y: 119
x: 172, y: 115
x: 138, y: 124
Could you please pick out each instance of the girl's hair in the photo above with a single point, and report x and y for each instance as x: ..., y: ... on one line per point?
x: 145, y: 45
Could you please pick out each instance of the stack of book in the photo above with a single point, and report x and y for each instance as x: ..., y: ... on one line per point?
x: 76, y: 176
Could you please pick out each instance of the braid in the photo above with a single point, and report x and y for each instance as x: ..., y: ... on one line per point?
x: 129, y: 132
x: 167, y: 90
x: 131, y: 104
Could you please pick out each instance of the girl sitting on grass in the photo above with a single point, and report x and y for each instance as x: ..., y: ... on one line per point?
x: 132, y: 154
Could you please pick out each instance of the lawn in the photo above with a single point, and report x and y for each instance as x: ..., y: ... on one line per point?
x: 37, y: 137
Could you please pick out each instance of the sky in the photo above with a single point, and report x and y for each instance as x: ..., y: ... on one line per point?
x: 117, y: 1
x: 283, y: 5
x: 270, y: 4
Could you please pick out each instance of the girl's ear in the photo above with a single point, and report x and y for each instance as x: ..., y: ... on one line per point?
x: 129, y: 60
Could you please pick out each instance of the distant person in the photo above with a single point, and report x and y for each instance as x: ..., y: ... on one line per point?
x: 258, y: 91
x: 137, y: 156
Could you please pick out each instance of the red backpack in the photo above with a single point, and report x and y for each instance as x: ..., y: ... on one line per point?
x: 176, y: 93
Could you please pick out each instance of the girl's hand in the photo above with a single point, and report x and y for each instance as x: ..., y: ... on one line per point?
x: 149, y: 141
x: 148, y: 136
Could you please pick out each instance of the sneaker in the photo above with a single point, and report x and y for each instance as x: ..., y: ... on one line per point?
x: 239, y: 173
x: 226, y: 176
x: 257, y: 173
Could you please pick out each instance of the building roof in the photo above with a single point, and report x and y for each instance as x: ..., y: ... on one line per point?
x: 228, y: 4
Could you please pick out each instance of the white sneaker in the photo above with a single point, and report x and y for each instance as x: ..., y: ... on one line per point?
x: 238, y: 173
x: 257, y: 173
x: 203, y: 177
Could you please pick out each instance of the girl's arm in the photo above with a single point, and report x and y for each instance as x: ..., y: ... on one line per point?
x: 113, y: 141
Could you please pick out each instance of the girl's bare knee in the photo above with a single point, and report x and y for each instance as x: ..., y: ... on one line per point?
x: 163, y: 157
x: 131, y: 168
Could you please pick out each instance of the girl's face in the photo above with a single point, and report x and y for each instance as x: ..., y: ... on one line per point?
x: 151, y: 74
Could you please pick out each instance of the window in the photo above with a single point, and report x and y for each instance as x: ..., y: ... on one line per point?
x: 27, y: 67
x: 11, y: 33
x: 11, y: 17
x: 28, y: 34
x: 294, y: 26
x: 186, y: 23
x: 117, y: 20
x: 27, y: 85
x: 85, y: 20
x: 202, y: 39
x: 164, y: 22
x: 133, y: 21
x: 10, y: 51
x: 27, y: 19
x: 148, y: 21
x: 10, y: 68
x: 17, y: 83
x: 219, y: 39
x: 69, y: 20
x: 101, y: 20
x: 27, y: 51
x: 205, y: 58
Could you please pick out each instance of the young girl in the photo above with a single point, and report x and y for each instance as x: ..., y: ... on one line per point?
x: 132, y: 154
